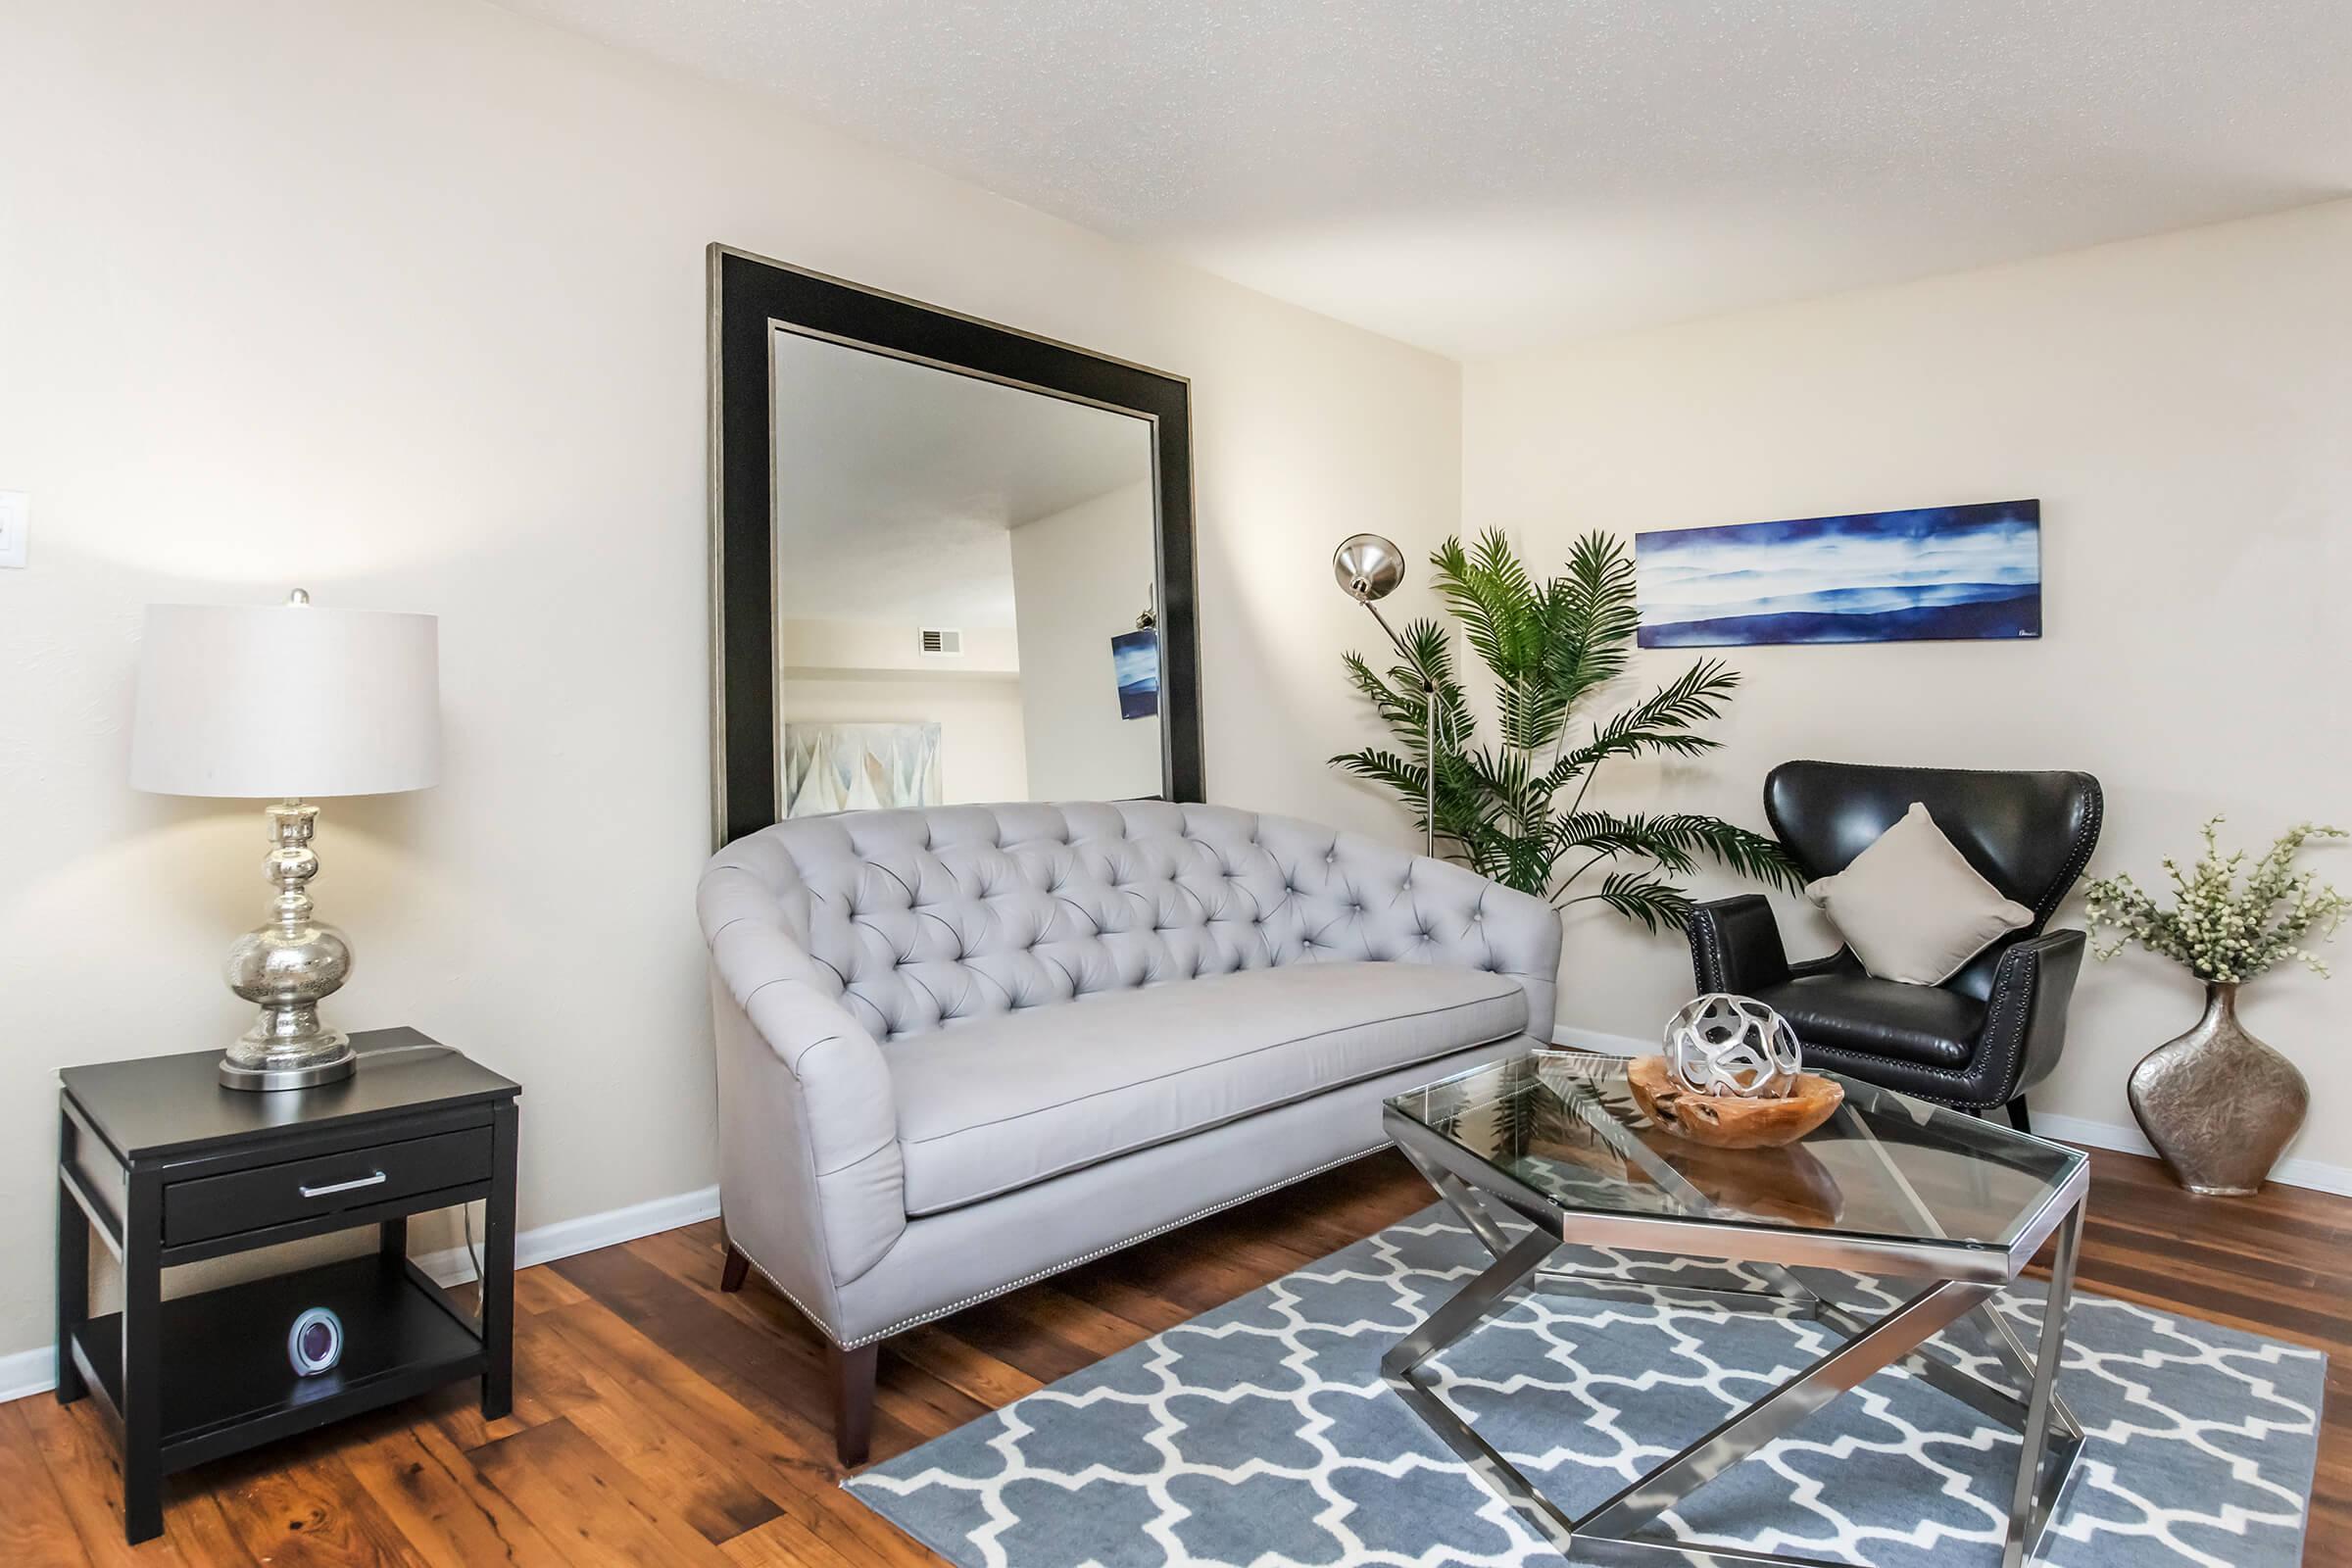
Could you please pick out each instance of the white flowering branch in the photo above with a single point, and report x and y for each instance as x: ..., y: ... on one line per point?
x: 2220, y: 933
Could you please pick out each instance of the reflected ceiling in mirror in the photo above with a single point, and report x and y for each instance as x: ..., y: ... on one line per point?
x: 960, y: 569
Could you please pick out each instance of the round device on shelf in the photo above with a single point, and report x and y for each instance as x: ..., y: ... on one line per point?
x: 315, y: 1344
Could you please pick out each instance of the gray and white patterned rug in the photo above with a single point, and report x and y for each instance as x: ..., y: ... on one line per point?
x: 1261, y: 1434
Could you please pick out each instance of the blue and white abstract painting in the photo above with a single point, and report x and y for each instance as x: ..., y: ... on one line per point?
x: 1936, y: 574
x: 1135, y: 669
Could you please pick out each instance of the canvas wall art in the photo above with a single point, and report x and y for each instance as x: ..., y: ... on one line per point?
x: 1135, y: 669
x: 851, y: 768
x: 1936, y: 574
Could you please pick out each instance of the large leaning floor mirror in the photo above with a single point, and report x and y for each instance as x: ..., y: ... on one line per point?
x: 951, y: 562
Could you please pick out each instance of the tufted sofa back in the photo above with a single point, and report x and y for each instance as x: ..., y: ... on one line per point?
x: 927, y: 918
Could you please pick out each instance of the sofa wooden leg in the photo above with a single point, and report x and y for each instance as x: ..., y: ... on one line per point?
x: 2018, y: 1118
x: 853, y: 1401
x: 733, y: 1272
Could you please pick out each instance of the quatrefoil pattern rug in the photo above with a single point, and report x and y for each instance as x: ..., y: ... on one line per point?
x: 1261, y: 1434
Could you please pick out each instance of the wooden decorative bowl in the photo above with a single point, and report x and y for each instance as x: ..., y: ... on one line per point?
x: 1722, y: 1121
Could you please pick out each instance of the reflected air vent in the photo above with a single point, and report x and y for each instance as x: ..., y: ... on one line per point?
x: 943, y: 642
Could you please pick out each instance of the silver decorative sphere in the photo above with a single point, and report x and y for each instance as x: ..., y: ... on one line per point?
x: 1727, y: 1045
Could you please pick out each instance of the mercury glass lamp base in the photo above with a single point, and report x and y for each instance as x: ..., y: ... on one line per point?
x: 330, y: 1067
x: 287, y: 968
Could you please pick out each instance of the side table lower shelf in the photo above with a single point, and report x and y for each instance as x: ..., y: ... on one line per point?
x: 231, y: 1386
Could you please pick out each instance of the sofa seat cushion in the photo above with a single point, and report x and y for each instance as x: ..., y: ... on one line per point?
x: 1848, y: 1012
x: 998, y: 1103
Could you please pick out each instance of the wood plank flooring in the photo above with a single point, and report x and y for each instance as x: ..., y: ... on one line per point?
x: 657, y: 1421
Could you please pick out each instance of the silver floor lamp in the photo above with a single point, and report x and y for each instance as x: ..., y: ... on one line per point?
x: 1369, y: 567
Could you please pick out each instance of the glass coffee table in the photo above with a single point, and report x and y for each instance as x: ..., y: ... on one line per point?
x: 1943, y: 1208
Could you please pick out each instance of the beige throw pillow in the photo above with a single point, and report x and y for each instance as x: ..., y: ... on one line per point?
x: 1912, y: 908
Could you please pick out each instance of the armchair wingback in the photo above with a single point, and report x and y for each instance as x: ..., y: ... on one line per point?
x: 964, y: 1047
x: 1992, y: 1031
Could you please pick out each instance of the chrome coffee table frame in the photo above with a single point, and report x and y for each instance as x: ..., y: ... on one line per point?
x: 1954, y: 1280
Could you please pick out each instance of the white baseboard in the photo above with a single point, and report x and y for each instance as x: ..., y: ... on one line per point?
x: 2317, y: 1175
x: 567, y: 1236
x: 27, y: 1372
x: 35, y: 1371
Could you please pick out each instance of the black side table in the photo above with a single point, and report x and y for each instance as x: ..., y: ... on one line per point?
x: 169, y: 1167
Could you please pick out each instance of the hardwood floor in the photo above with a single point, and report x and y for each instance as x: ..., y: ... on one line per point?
x: 658, y: 1421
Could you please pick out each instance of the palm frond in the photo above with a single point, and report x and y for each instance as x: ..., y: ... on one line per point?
x: 1651, y: 902
x: 1600, y: 833
x: 1594, y: 615
x: 1660, y: 722
x: 1502, y: 613
x: 1755, y: 855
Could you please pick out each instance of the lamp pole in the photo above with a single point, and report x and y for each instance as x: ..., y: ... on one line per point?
x: 1368, y: 567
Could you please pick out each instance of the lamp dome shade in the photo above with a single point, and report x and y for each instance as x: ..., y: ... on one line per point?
x: 286, y: 702
x: 1367, y: 567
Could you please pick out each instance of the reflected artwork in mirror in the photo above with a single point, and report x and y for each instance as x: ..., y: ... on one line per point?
x: 952, y: 562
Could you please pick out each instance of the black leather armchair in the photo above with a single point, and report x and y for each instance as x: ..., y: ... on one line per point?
x: 1992, y: 1031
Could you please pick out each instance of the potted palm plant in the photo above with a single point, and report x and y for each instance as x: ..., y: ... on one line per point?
x: 1515, y: 809
x: 2218, y: 1104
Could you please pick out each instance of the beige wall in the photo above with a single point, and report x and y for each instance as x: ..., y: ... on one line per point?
x: 1080, y: 577
x: 406, y: 303
x: 2180, y: 407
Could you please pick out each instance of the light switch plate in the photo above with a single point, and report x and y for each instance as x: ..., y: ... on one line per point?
x: 16, y: 517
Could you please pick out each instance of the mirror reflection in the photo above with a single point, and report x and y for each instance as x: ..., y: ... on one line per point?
x: 965, y: 588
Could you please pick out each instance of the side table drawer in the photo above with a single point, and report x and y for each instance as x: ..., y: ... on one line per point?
x: 274, y: 1195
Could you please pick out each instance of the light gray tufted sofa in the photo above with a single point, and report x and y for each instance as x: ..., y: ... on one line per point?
x: 961, y: 1048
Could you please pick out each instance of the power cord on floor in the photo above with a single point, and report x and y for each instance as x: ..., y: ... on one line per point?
x: 465, y: 1218
x: 465, y: 1211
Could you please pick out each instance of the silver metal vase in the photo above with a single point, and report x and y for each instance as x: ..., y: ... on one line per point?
x: 2218, y: 1104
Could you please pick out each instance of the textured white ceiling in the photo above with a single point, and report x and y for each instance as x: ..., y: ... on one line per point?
x: 897, y: 484
x: 1482, y: 177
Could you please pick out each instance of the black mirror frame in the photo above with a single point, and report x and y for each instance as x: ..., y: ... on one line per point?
x: 749, y: 297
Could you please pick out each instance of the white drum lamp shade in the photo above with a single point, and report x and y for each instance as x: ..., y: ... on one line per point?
x: 289, y: 702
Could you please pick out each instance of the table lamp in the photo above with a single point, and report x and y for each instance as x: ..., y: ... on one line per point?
x: 286, y: 702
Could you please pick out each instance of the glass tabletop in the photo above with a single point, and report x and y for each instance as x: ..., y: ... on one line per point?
x: 1563, y: 1127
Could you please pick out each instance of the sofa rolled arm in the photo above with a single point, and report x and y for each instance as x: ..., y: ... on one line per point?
x: 2025, y: 1015
x: 1735, y: 946
x: 1508, y: 932
x: 808, y: 1134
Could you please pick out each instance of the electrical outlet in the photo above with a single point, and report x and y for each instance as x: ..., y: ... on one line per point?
x: 16, y: 516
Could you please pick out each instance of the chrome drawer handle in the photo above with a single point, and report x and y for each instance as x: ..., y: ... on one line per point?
x: 343, y: 1187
